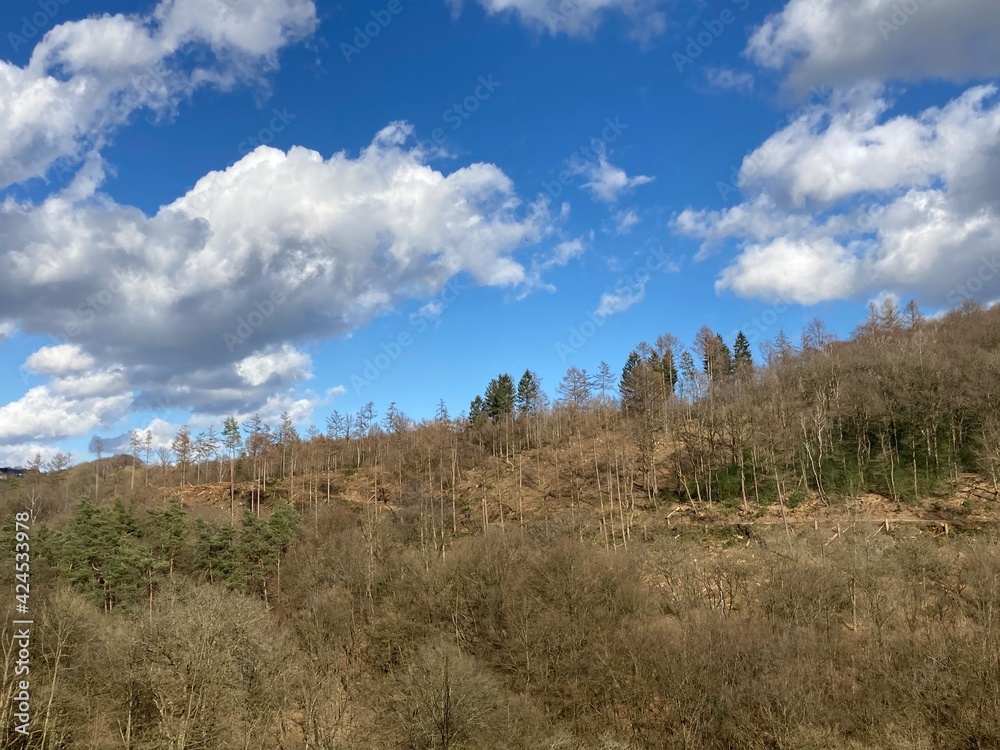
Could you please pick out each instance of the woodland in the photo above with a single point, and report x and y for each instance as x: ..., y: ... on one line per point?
x: 706, y: 548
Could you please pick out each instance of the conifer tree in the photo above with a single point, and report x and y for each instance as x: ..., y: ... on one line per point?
x: 527, y: 393
x: 477, y: 409
x: 500, y: 397
x: 742, y: 356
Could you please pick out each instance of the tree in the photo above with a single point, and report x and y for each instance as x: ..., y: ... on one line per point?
x: 628, y: 385
x: 97, y: 448
x: 395, y: 421
x: 500, y: 397
x: 477, y: 410
x: 441, y: 413
x: 336, y: 426
x: 286, y: 437
x: 58, y: 462
x: 147, y: 446
x: 604, y: 381
x: 206, y: 446
x: 232, y: 440
x: 575, y: 387
x: 527, y: 393
x: 912, y: 317
x: 742, y: 356
x: 135, y: 445
x: 667, y: 347
x: 183, y: 447
x: 889, y: 318
x: 815, y: 337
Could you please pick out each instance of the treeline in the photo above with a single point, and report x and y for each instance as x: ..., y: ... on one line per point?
x: 902, y: 409
x: 117, y: 558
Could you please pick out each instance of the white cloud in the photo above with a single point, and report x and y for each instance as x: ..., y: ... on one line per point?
x: 616, y: 302
x: 207, y: 296
x: 85, y: 78
x: 730, y: 80
x: 286, y: 363
x: 605, y: 181
x: 845, y: 42
x: 59, y: 360
x: 43, y: 415
x: 579, y: 17
x: 844, y: 203
x: 22, y: 453
x: 7, y: 329
x: 625, y: 220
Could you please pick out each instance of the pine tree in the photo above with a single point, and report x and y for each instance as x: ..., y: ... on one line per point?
x: 477, y: 409
x: 667, y: 346
x: 628, y: 385
x: 166, y: 531
x: 742, y: 356
x: 527, y: 393
x: 215, y: 551
x: 500, y: 397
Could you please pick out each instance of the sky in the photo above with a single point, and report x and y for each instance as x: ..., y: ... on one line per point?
x: 228, y: 207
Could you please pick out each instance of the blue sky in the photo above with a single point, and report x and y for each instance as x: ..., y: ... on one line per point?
x: 214, y: 207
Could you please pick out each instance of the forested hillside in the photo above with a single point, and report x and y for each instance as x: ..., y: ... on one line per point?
x: 703, y: 547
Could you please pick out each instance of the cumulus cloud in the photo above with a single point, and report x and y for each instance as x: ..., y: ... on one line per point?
x: 59, y: 360
x: 284, y: 364
x: 85, y: 78
x: 844, y: 202
x: 578, y: 17
x: 197, y: 306
x: 845, y: 42
x: 44, y: 416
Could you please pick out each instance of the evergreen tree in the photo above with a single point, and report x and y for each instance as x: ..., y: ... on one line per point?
x: 742, y: 356
x: 527, y: 393
x: 500, y: 397
x: 628, y: 385
x: 667, y: 347
x: 477, y: 409
x: 102, y: 557
x: 215, y: 550
x: 166, y: 531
